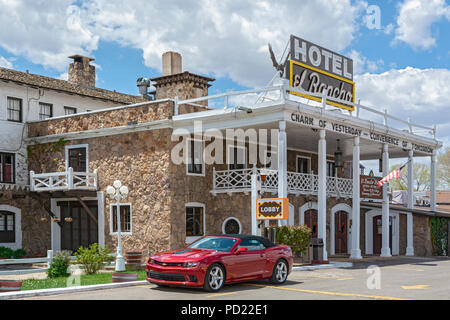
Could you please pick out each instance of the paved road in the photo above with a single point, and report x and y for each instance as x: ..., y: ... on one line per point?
x: 405, y: 278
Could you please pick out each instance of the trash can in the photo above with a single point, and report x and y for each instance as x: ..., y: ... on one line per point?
x: 317, y: 244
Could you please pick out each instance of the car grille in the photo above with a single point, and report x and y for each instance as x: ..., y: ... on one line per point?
x: 167, y: 276
x: 168, y: 264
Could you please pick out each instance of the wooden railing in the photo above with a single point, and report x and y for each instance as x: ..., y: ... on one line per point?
x: 63, y: 181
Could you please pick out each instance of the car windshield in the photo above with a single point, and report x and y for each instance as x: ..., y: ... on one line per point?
x: 218, y: 244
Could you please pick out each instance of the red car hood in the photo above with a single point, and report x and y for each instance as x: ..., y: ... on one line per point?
x: 183, y: 255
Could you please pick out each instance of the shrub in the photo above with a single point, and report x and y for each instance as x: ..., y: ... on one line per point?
x: 19, y: 254
x: 59, y: 265
x: 297, y: 237
x: 6, y: 252
x: 93, y: 257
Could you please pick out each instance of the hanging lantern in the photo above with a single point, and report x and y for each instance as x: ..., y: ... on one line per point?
x: 338, y: 159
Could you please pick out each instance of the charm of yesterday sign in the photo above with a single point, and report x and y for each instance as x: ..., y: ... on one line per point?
x: 315, y: 69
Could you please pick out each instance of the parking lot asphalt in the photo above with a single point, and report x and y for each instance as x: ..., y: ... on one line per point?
x: 395, y: 279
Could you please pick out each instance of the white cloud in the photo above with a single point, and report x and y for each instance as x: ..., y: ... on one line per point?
x: 361, y: 64
x: 226, y: 37
x: 5, y: 63
x: 415, y: 20
x: 422, y: 94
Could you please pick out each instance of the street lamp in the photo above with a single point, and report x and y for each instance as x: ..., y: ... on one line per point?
x: 118, y: 191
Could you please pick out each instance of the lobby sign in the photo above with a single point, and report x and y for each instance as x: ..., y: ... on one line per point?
x: 314, y: 69
x: 369, y: 187
x: 272, y: 209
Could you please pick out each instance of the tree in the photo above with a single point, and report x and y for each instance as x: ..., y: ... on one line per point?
x: 443, y: 168
x: 421, y: 177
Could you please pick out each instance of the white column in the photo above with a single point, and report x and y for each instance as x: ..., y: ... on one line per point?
x: 282, y: 164
x: 255, y: 196
x: 385, y: 250
x: 433, y: 182
x: 322, y: 193
x: 356, y: 251
x: 409, y: 216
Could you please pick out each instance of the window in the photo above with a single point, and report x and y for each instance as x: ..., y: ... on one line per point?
x: 14, y: 109
x: 7, y: 168
x: 125, y: 218
x: 7, y: 227
x: 77, y: 158
x: 45, y: 111
x: 251, y: 244
x: 231, y: 226
x: 303, y: 164
x: 236, y: 158
x: 194, y: 222
x: 195, y: 157
x: 331, y: 170
x: 69, y: 110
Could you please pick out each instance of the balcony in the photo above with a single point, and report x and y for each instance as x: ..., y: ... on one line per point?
x: 63, y: 181
x: 232, y: 181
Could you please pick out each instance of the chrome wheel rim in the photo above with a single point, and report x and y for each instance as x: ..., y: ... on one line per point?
x: 281, y: 271
x: 215, y: 278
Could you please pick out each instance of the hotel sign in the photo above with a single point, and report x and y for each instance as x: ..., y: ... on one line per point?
x: 272, y: 209
x: 369, y: 187
x: 315, y: 69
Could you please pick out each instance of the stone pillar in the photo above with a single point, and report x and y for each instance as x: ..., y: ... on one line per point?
x: 385, y: 250
x: 409, y: 216
x: 356, y: 211
x: 322, y: 193
x: 433, y: 182
x: 282, y: 165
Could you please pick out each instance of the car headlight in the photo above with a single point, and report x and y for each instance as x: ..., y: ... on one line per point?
x: 190, y: 264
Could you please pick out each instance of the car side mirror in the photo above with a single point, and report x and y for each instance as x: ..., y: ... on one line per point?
x: 240, y: 250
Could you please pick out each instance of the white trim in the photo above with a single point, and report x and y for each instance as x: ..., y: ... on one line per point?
x: 340, y: 207
x: 312, y: 205
x: 188, y: 149
x: 195, y: 204
x: 17, y: 244
x: 101, y: 218
x: 231, y: 218
x: 76, y: 146
x: 111, y: 233
x: 303, y: 157
x: 369, y: 215
x: 232, y: 146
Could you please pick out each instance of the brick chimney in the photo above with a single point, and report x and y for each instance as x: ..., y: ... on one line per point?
x: 176, y: 83
x: 81, y: 72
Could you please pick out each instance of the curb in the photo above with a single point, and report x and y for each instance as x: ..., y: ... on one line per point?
x: 331, y: 265
x: 53, y: 291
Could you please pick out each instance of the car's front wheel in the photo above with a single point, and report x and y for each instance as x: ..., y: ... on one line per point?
x: 214, y: 278
x: 280, y: 272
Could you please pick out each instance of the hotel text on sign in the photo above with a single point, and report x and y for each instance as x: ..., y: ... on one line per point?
x: 316, y: 69
x: 272, y: 209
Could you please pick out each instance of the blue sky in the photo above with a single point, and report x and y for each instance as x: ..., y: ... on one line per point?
x: 404, y: 65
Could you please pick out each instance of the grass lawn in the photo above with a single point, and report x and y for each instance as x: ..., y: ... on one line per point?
x: 86, y: 280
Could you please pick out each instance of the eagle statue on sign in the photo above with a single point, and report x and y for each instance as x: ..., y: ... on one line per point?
x: 281, y: 67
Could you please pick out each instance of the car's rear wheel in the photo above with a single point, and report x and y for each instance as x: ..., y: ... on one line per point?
x: 280, y: 272
x: 214, y: 278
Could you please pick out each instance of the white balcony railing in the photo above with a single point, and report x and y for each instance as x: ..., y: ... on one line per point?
x: 63, y: 181
x: 231, y: 181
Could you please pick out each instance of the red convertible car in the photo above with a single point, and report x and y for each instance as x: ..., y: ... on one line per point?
x: 213, y: 261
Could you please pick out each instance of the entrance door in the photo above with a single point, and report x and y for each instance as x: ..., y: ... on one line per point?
x: 311, y: 221
x: 377, y: 234
x: 340, y: 232
x: 82, y: 229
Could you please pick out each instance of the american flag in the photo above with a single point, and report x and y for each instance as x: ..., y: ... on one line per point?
x: 396, y: 174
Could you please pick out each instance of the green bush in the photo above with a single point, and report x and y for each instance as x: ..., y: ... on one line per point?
x: 59, y: 265
x: 439, y: 235
x: 11, y: 254
x: 297, y: 237
x: 93, y: 258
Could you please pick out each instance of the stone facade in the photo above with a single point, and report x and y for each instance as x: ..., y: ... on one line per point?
x: 81, y: 72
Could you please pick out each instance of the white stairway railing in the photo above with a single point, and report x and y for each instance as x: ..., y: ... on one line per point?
x: 230, y: 181
x: 63, y: 181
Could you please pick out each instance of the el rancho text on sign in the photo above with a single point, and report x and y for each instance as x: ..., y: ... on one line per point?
x: 315, y: 69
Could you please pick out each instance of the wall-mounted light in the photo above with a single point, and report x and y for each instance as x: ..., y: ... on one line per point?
x: 338, y: 159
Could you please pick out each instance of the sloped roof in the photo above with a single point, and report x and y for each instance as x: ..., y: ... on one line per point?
x: 66, y: 86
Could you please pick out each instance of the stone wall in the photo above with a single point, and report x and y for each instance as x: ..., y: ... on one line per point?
x: 422, y: 236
